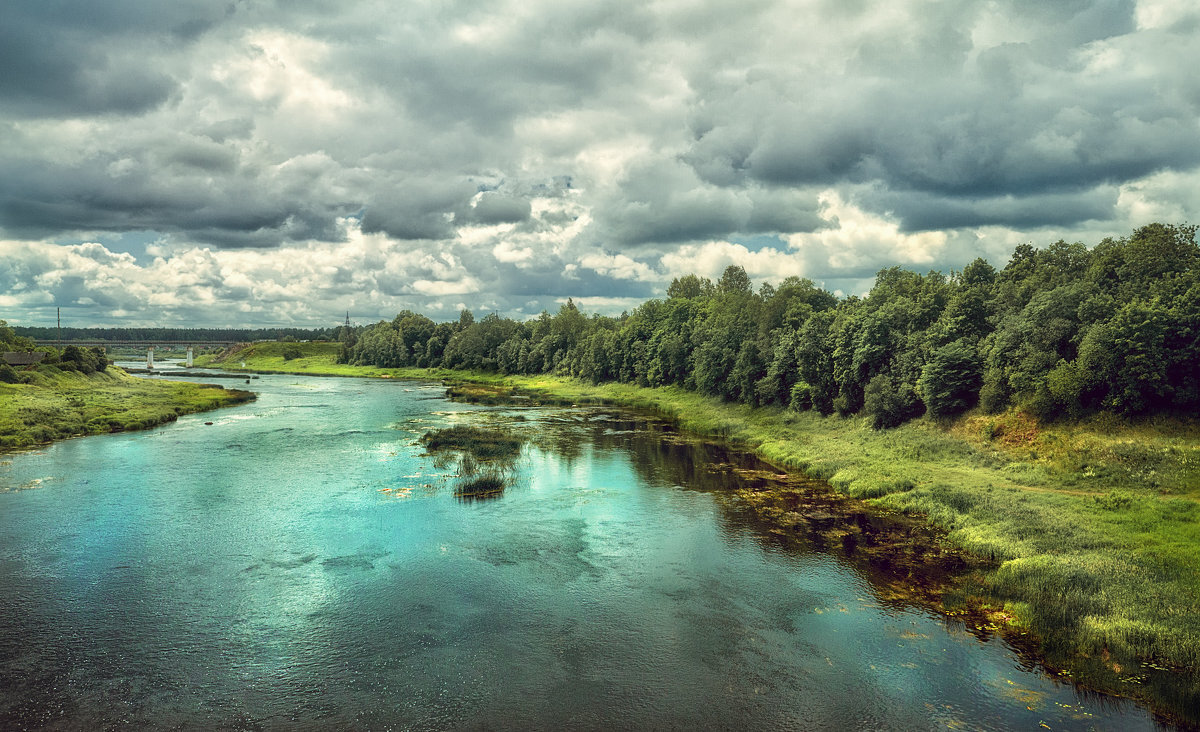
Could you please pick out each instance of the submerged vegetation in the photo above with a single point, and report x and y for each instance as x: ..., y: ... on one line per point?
x: 486, y: 457
x: 482, y: 444
x: 1090, y: 530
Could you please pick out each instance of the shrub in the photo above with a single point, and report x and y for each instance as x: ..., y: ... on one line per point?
x: 8, y: 374
x: 887, y: 405
x: 993, y: 396
x: 1114, y: 500
x: 951, y: 380
x: 291, y: 352
x: 801, y: 397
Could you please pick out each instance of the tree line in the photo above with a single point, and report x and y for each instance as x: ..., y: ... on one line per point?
x: 1060, y: 331
x: 71, y: 358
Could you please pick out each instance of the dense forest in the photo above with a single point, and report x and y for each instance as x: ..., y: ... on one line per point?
x: 177, y: 335
x: 1060, y: 331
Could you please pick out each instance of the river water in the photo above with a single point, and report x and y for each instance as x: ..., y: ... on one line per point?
x: 302, y: 563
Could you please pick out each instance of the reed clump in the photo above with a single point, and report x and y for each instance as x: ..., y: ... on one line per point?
x: 480, y: 443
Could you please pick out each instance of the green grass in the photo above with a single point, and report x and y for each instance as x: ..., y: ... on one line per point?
x: 318, y: 358
x: 62, y: 404
x: 482, y: 444
x: 1092, y: 528
x: 1101, y: 561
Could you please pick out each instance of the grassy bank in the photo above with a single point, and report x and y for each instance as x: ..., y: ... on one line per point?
x: 1093, y: 528
x: 62, y: 404
x: 318, y: 358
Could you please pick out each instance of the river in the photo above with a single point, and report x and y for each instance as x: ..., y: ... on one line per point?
x: 303, y: 563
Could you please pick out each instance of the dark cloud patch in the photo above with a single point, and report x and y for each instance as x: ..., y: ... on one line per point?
x: 494, y: 208
x: 67, y: 59
x: 461, y: 62
x: 929, y: 212
x: 662, y: 201
x: 103, y: 195
x: 419, y: 209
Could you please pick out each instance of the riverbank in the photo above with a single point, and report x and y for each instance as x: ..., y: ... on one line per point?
x: 60, y: 404
x: 1092, y: 529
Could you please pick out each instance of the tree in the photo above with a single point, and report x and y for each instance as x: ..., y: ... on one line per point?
x: 1129, y: 355
x: 689, y: 287
x: 951, y: 380
x: 888, y: 404
x: 734, y: 279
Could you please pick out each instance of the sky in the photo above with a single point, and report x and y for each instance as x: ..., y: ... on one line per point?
x: 279, y: 163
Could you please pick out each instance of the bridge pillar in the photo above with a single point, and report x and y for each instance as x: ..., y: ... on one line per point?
x: 189, y: 358
x: 150, y: 358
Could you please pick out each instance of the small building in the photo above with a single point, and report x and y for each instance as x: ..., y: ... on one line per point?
x: 22, y: 358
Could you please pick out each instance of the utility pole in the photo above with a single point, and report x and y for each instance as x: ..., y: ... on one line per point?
x: 59, y: 311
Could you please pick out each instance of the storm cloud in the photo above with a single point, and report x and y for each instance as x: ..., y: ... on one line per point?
x: 248, y: 162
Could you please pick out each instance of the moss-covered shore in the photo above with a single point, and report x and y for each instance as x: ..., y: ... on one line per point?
x: 59, y: 404
x: 1091, y: 529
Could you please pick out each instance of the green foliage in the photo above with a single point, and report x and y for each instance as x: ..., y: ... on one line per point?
x: 690, y: 286
x: 58, y: 403
x: 1063, y: 330
x: 800, y: 398
x: 291, y: 352
x: 1114, y: 500
x: 8, y: 374
x: 482, y: 444
x: 887, y: 404
x: 951, y: 379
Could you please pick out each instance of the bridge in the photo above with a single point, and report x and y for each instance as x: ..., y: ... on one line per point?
x: 91, y: 343
x: 149, y: 346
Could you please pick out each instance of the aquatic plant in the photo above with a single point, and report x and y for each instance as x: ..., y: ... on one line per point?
x: 480, y: 486
x: 481, y: 444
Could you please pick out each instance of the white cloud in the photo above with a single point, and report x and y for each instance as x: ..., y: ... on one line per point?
x: 857, y: 239
x: 284, y: 162
x: 711, y: 258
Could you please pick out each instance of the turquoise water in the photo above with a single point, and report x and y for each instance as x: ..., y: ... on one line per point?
x: 301, y: 563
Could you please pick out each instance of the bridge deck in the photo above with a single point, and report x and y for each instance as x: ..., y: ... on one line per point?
x: 136, y: 344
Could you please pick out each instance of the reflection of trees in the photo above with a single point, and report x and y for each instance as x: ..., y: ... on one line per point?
x: 905, y: 560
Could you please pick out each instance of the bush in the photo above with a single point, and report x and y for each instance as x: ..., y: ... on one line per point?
x: 801, y: 397
x: 887, y: 405
x: 8, y: 375
x: 1114, y: 500
x: 79, y: 359
x: 1042, y: 404
x: 951, y: 380
x: 993, y: 396
x: 291, y: 352
x: 1068, y: 384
